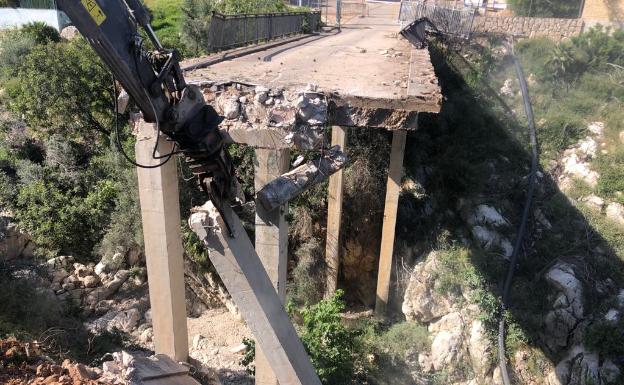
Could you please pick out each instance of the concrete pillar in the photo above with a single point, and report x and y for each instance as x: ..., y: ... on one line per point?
x: 160, y: 212
x: 334, y: 213
x: 395, y: 172
x: 271, y: 239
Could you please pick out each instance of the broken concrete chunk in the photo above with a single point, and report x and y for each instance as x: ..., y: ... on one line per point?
x: 294, y: 182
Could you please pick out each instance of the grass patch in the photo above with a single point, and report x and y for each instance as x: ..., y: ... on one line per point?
x: 167, y: 18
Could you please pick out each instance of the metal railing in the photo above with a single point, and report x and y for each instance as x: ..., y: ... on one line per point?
x: 313, y: 4
x: 454, y: 22
x: 231, y: 31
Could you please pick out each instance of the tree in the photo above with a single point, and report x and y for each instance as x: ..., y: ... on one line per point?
x: 65, y: 219
x: 63, y: 88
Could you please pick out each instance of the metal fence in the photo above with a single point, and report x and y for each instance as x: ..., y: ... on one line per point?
x: 313, y: 4
x: 454, y: 22
x: 230, y: 31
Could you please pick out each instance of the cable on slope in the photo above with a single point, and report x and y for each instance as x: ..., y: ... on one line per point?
x: 528, y: 109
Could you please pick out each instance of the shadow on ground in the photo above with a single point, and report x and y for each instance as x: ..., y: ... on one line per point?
x: 476, y: 152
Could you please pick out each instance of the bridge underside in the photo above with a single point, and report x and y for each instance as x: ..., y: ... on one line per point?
x: 285, y: 97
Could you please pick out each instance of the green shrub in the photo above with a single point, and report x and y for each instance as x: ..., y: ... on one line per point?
x: 63, y: 88
x: 329, y: 343
x: 403, y: 337
x: 62, y: 220
x: 606, y: 337
x: 249, y: 356
x: 41, y: 33
x: 14, y: 47
x: 556, y: 8
x: 591, y: 50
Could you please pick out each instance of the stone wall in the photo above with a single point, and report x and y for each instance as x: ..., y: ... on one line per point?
x: 556, y: 29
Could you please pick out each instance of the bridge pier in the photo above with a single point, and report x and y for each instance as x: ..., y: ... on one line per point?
x: 271, y: 239
x: 393, y: 188
x: 334, y: 214
x: 160, y: 212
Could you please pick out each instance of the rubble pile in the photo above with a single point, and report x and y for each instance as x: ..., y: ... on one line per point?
x: 24, y: 363
x: 91, y: 286
x: 269, y: 117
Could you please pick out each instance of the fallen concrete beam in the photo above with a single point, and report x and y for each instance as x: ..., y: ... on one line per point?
x: 294, y: 182
x: 276, y: 138
x: 249, y: 285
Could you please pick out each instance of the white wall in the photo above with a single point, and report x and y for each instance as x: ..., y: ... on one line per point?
x: 15, y: 17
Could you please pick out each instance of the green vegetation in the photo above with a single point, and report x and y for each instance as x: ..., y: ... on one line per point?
x: 553, y: 8
x: 60, y: 177
x: 476, y: 151
x: 184, y: 24
x: 167, y: 18
x: 329, y: 343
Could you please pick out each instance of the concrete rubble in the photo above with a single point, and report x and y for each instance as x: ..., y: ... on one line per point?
x: 31, y: 365
x: 265, y: 117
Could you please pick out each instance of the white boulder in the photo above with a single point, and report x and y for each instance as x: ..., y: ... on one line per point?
x: 422, y: 302
x: 615, y: 212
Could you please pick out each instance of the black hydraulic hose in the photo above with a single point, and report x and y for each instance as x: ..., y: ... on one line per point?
x: 528, y: 109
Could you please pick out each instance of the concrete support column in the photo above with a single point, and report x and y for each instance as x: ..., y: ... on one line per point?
x: 271, y: 239
x: 334, y: 213
x: 160, y: 212
x: 395, y: 172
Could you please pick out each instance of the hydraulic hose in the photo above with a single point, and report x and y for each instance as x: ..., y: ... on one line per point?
x: 528, y: 109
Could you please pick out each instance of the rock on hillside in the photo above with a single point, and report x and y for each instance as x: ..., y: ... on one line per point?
x: 459, y: 338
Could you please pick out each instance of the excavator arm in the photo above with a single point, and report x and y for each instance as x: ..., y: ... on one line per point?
x: 153, y: 78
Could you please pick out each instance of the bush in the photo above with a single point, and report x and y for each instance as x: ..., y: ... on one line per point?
x: 65, y: 220
x: 589, y: 51
x: 63, y: 88
x: 41, y: 33
x: 329, y: 343
x: 606, y: 337
x: 403, y: 337
x: 14, y: 47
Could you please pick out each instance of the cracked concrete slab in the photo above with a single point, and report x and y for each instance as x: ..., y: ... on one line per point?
x: 368, y: 74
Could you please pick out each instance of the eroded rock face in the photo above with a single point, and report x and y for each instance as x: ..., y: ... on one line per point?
x: 422, y: 302
x: 13, y: 242
x: 580, y: 367
x: 486, y: 223
x: 567, y: 312
x: 480, y: 349
x: 447, y: 344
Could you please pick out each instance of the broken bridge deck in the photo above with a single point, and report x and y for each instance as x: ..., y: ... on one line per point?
x: 370, y: 75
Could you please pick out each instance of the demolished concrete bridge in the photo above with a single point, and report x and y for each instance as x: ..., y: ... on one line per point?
x: 274, y: 100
